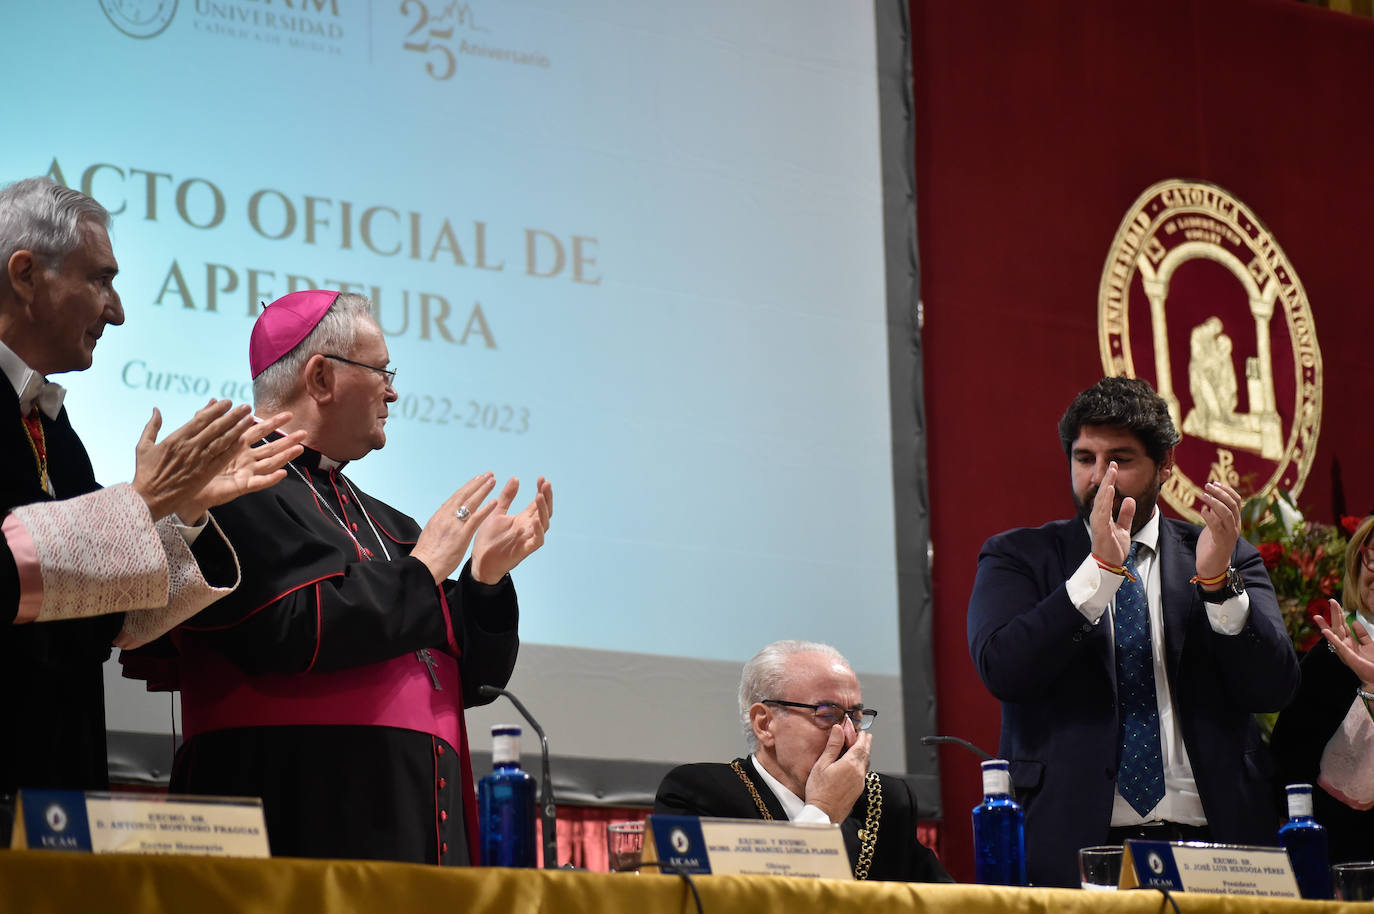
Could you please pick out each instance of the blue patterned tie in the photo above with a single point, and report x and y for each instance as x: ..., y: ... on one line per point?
x: 1141, y: 776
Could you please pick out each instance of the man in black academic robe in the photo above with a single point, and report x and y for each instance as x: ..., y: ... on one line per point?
x: 56, y: 298
x: 332, y: 684
x: 806, y: 767
x: 50, y: 672
x: 715, y: 789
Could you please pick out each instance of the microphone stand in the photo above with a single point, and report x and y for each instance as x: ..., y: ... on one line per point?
x: 546, y: 809
x: 956, y: 741
x: 953, y: 740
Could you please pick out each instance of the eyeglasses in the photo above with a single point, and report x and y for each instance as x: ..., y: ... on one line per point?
x: 827, y: 715
x: 388, y: 373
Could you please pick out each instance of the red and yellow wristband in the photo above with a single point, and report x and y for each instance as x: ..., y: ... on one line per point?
x: 1113, y: 569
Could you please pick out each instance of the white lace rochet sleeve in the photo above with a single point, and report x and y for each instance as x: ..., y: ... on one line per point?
x: 1347, y: 766
x: 101, y: 553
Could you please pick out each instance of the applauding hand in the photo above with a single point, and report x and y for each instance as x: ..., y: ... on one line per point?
x: 1111, y: 537
x: 168, y: 474
x: 505, y: 540
x: 250, y: 469
x: 1221, y: 506
x: 1352, y: 642
x: 444, y: 541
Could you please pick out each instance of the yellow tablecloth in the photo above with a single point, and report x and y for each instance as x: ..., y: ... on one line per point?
x: 36, y: 882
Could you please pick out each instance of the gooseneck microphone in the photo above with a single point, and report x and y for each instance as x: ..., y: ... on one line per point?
x: 546, y: 809
x: 954, y: 740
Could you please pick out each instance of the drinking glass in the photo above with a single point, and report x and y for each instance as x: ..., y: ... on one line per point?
x: 1353, y: 881
x: 625, y: 845
x: 1099, y: 868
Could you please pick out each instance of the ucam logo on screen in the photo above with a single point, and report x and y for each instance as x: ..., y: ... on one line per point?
x: 146, y: 19
x: 299, y: 25
x: 435, y: 33
x: 307, y: 25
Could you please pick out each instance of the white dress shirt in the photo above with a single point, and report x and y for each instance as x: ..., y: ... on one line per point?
x: 29, y: 385
x: 1092, y: 591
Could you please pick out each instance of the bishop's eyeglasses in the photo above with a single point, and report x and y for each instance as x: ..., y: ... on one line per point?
x: 388, y: 373
x: 827, y: 715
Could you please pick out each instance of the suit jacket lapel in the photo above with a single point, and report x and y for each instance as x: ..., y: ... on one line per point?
x: 1075, y: 544
x: 770, y: 799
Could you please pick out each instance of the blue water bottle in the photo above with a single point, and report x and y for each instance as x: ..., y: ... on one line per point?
x: 506, y: 804
x: 1305, y: 840
x: 999, y: 830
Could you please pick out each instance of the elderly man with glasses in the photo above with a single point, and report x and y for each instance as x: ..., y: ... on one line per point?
x: 809, y: 735
x: 79, y: 565
x: 333, y: 684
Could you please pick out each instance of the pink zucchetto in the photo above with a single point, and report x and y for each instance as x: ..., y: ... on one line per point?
x: 283, y: 324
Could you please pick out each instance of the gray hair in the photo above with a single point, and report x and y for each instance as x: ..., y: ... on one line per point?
x: 335, y: 334
x: 42, y: 216
x: 765, y: 676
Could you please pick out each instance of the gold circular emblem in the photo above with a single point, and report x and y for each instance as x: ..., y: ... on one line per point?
x: 140, y: 18
x: 1188, y: 301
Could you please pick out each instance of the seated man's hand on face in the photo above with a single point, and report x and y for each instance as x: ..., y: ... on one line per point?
x: 837, y: 779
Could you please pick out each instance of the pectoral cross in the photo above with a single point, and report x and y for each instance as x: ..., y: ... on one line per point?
x: 424, y: 656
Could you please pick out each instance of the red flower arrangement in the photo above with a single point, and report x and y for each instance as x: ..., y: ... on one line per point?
x: 1272, y: 553
x: 1305, y: 560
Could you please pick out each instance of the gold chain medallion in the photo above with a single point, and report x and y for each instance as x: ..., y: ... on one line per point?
x: 868, y: 835
x: 1198, y: 298
x: 749, y: 784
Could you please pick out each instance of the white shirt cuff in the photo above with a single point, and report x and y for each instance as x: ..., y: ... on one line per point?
x: 810, y: 815
x: 1090, y: 589
x: 188, y: 533
x: 1230, y: 617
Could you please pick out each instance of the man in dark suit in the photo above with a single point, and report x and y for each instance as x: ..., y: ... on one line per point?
x: 1129, y: 651
x: 809, y: 731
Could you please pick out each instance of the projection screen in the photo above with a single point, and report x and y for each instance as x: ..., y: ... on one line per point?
x: 642, y: 249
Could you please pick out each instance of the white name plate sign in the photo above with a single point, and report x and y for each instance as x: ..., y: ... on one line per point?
x: 120, y: 823
x: 1209, y: 869
x: 748, y: 847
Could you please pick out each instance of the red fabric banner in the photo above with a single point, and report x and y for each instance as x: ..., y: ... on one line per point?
x: 1038, y: 127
